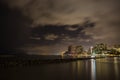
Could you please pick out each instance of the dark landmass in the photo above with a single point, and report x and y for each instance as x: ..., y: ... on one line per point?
x: 30, y: 60
x: 18, y: 59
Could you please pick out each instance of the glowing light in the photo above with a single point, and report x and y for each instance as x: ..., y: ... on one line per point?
x: 93, y: 69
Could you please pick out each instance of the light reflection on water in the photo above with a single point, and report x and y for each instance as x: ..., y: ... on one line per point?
x: 99, y: 69
x: 116, y: 68
x: 93, y: 69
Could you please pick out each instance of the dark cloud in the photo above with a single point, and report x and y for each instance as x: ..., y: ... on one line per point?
x: 60, y: 32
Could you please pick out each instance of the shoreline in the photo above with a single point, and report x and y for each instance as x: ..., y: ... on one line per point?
x: 18, y: 61
x: 32, y: 61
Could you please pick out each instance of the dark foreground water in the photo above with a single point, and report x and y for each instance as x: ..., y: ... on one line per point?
x: 99, y: 69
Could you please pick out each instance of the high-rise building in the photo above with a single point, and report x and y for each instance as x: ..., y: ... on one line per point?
x: 71, y: 49
x: 99, y: 48
x: 79, y: 49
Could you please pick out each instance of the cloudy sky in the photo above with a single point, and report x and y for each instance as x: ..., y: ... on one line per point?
x: 49, y: 26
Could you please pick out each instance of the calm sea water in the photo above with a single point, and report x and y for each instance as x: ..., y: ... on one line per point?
x: 93, y: 69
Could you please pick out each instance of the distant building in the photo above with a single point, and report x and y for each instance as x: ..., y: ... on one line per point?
x: 74, y: 50
x: 71, y: 50
x: 79, y: 49
x: 99, y: 48
x: 116, y: 49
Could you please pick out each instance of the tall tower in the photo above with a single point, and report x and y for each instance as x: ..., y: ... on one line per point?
x: 91, y: 49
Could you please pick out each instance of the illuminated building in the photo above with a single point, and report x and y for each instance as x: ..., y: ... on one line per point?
x: 99, y: 48
x: 74, y: 50
x: 79, y: 49
x: 71, y: 49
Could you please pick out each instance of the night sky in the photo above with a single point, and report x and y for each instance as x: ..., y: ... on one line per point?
x: 49, y: 26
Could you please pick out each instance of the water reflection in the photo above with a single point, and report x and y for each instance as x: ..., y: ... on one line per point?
x: 108, y: 68
x: 97, y: 69
x: 93, y: 69
x: 116, y: 67
x: 84, y: 69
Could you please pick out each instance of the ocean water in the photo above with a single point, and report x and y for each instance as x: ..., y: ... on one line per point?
x: 92, y: 69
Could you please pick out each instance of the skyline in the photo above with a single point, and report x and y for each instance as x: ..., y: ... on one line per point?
x: 49, y: 26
